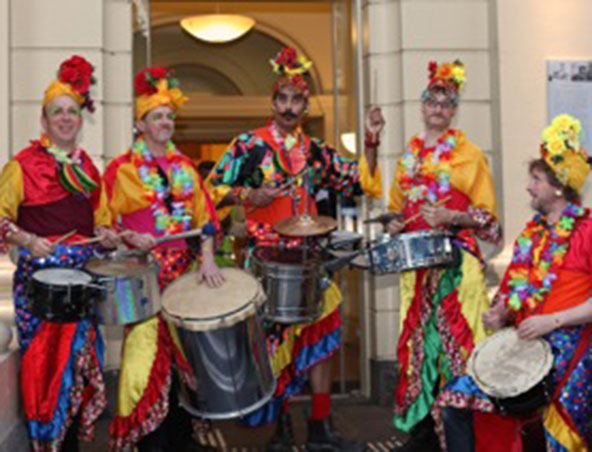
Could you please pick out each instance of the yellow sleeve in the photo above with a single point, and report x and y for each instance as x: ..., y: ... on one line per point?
x: 124, y: 190
x: 12, y: 191
x: 396, y: 198
x: 201, y: 213
x: 371, y: 183
x: 102, y: 213
x: 471, y: 175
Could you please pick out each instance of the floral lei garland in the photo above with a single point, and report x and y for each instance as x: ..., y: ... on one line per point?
x: 431, y: 181
x: 181, y: 188
x: 538, y: 256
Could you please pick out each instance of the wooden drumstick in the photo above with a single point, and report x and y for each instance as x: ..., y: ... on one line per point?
x: 98, y: 239
x: 414, y: 217
x: 180, y: 235
x: 64, y: 237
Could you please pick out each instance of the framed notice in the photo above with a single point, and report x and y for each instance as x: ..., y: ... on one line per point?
x: 569, y: 90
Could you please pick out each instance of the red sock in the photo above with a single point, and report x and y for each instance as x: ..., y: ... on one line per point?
x: 321, y: 406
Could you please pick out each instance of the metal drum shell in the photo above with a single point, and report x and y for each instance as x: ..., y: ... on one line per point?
x: 293, y: 291
x: 232, y: 373
x: 128, y: 299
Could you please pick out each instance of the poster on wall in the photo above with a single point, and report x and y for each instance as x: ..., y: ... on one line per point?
x: 569, y: 90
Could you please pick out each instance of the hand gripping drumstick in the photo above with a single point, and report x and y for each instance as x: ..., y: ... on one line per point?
x: 414, y: 217
x: 293, y: 179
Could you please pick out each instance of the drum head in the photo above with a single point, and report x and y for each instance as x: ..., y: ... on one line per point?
x: 124, y: 267
x: 198, y: 307
x: 289, y: 256
x: 62, y: 277
x: 504, y: 365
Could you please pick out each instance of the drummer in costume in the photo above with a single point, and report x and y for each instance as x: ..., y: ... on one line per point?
x: 545, y: 293
x: 442, y: 181
x: 252, y: 172
x: 154, y: 190
x: 48, y: 190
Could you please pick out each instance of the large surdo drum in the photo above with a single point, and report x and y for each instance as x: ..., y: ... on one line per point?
x: 223, y: 342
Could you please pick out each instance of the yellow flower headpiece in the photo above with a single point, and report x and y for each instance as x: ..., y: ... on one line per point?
x: 156, y: 87
x: 562, y: 151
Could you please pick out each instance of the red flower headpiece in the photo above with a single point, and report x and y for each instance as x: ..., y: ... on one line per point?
x: 146, y: 81
x: 78, y: 73
x: 291, y: 69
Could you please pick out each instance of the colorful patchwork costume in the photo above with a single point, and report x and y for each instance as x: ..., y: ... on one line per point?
x: 265, y: 158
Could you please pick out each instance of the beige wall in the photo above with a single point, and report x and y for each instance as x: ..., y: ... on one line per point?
x: 403, y: 36
x: 4, y: 80
x: 41, y: 37
x: 531, y: 31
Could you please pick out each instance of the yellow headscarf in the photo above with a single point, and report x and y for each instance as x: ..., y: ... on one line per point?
x: 74, y: 80
x: 561, y: 149
x: 57, y: 89
x: 154, y: 92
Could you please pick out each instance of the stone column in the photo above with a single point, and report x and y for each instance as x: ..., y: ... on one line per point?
x: 383, y: 74
x: 4, y: 80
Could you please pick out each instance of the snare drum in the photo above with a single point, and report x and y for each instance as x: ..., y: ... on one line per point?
x: 129, y: 289
x: 61, y: 294
x: 224, y: 344
x: 410, y: 251
x: 292, y: 281
x: 514, y: 372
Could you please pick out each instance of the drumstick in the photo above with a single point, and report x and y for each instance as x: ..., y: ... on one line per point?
x: 64, y: 237
x: 440, y: 203
x: 180, y: 235
x: 98, y: 239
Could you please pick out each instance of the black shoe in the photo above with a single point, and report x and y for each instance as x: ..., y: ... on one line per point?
x: 198, y: 447
x: 323, y: 437
x: 422, y: 441
x: 283, y: 437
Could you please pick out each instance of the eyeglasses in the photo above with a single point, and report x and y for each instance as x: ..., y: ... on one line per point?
x: 434, y: 104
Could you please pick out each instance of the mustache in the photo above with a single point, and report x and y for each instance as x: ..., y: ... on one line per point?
x: 288, y: 115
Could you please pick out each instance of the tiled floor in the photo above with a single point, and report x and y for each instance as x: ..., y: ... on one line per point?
x: 355, y: 419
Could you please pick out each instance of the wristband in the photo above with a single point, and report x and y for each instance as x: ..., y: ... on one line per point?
x: 208, y: 229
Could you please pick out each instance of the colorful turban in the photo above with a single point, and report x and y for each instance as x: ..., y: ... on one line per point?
x: 291, y: 70
x: 561, y: 149
x: 74, y: 80
x: 156, y: 87
x: 447, y: 77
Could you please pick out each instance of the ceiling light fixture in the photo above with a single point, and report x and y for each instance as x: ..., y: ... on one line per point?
x: 217, y: 28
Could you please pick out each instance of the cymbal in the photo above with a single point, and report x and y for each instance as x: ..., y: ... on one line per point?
x: 304, y: 226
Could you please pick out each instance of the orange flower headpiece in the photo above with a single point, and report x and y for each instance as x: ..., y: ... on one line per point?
x: 560, y: 148
x: 447, y: 77
x: 75, y: 77
x: 155, y: 87
x: 291, y: 70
